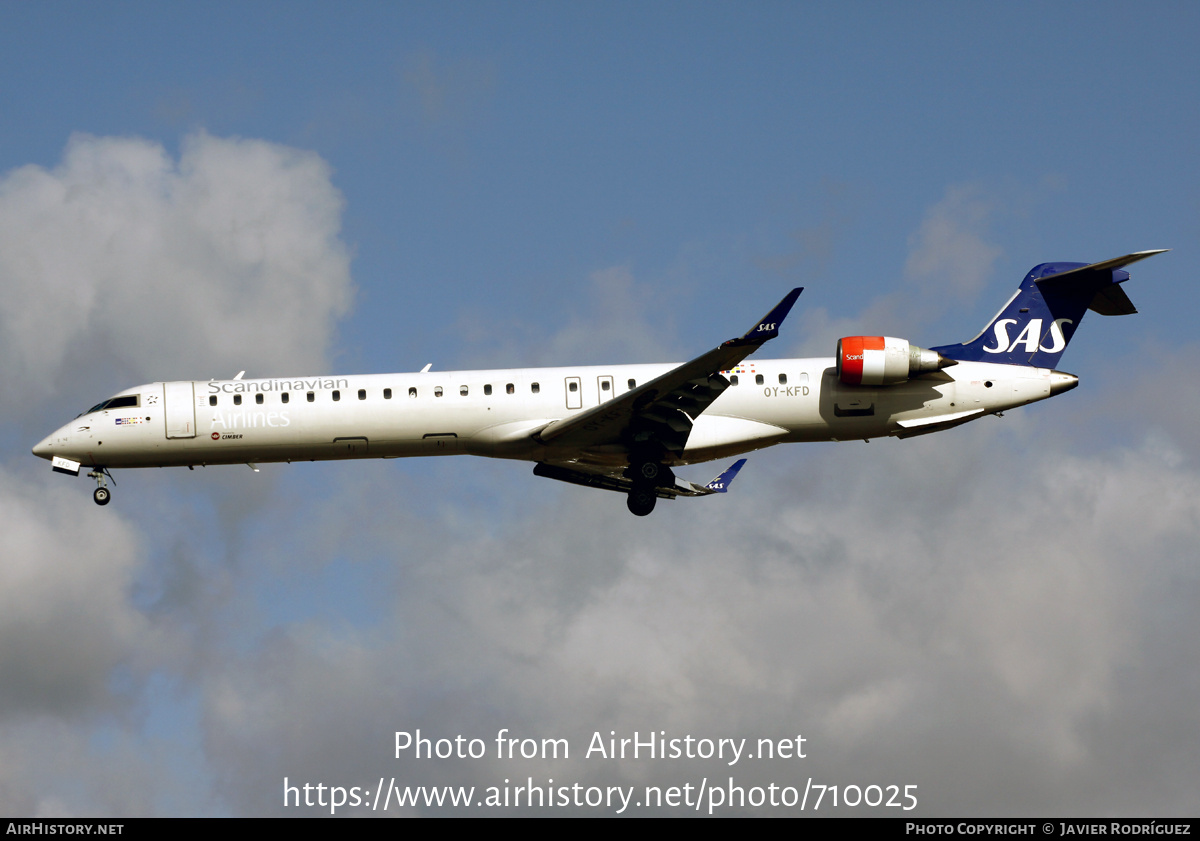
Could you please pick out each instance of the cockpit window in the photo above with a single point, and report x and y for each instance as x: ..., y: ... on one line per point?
x: 125, y: 401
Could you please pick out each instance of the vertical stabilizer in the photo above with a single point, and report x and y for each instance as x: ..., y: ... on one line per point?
x: 1037, y: 323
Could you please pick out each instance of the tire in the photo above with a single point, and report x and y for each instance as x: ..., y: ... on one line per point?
x: 641, y: 501
x: 102, y: 496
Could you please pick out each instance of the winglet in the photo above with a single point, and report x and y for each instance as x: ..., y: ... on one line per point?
x: 768, y: 325
x: 721, y: 484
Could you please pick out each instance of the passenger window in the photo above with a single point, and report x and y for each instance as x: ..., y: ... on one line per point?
x: 573, y: 387
x: 258, y: 399
x: 362, y: 394
x: 510, y: 388
x: 237, y: 399
x: 437, y: 391
x: 783, y: 379
x: 283, y: 398
x: 462, y: 391
x: 311, y: 397
x: 535, y: 388
x: 212, y: 399
x: 733, y: 380
x: 412, y: 392
x: 387, y: 394
x: 604, y: 385
x: 337, y: 395
x: 758, y: 379
x: 632, y: 385
x: 487, y: 389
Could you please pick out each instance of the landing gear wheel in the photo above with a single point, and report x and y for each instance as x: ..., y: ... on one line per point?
x: 102, y: 496
x: 641, y: 501
x: 647, y: 471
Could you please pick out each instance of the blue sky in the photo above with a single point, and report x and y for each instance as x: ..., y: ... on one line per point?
x: 307, y: 188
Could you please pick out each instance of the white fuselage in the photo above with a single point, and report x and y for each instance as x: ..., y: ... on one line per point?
x: 498, y: 413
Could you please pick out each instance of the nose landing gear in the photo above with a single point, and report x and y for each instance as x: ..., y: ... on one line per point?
x: 102, y: 495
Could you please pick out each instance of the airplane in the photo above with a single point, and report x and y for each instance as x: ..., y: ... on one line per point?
x: 623, y: 428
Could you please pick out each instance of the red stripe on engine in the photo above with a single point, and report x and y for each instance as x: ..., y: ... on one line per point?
x: 852, y: 360
x: 853, y: 350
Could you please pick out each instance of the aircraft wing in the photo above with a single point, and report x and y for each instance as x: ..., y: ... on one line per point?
x: 662, y: 410
x: 613, y: 480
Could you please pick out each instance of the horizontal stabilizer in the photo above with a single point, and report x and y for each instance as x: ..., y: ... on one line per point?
x: 1097, y: 282
x: 1108, y: 265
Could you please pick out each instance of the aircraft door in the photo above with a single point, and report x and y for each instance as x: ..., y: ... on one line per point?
x: 180, y: 410
x: 604, y: 386
x: 352, y: 447
x: 574, y: 393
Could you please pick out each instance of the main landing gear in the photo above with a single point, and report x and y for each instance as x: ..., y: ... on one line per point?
x: 647, y: 475
x: 641, y: 500
x: 102, y: 494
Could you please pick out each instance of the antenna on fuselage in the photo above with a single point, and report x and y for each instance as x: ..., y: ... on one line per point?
x: 425, y: 370
x: 240, y: 375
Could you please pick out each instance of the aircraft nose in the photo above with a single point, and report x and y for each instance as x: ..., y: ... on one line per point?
x: 42, y: 449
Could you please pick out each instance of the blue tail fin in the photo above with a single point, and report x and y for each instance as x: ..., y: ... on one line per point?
x: 1036, y: 324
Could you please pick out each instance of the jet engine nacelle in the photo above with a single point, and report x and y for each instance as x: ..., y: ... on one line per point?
x: 884, y: 360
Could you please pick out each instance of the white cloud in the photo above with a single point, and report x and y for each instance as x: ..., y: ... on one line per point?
x: 615, y: 320
x: 979, y: 612
x: 949, y: 262
x: 958, y: 614
x: 66, y: 619
x: 226, y: 259
x: 618, y: 321
x: 949, y: 254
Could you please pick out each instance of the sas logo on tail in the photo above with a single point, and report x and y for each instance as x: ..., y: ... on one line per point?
x: 1029, y: 336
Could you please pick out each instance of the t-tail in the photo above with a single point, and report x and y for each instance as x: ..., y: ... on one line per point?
x: 1038, y: 321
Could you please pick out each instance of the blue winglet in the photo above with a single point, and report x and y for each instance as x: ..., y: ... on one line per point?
x: 768, y: 325
x: 721, y: 484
